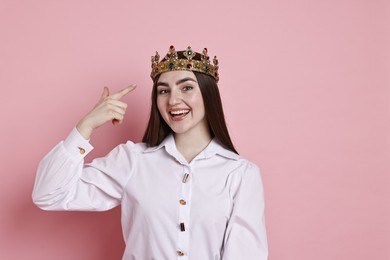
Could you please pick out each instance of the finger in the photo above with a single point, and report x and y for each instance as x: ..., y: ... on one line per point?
x: 115, y: 112
x: 105, y: 93
x: 124, y: 92
x: 115, y: 122
x: 119, y: 110
x: 116, y: 103
x: 117, y: 117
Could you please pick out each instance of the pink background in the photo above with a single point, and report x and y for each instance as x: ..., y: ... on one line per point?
x: 305, y: 86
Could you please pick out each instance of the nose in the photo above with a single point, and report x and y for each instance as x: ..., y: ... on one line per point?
x: 174, y: 98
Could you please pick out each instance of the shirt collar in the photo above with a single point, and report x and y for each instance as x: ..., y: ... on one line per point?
x: 168, y: 141
x: 213, y: 148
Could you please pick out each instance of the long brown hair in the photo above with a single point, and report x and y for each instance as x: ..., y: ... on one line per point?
x: 157, y: 129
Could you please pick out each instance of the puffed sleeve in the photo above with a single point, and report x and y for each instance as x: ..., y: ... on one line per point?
x: 64, y: 182
x: 245, y: 236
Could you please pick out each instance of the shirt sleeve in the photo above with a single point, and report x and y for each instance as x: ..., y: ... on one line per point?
x: 245, y: 236
x: 64, y: 182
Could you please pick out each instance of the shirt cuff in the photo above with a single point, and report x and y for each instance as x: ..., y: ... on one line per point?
x: 77, y: 145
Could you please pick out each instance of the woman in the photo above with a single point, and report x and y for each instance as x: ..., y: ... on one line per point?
x: 185, y: 193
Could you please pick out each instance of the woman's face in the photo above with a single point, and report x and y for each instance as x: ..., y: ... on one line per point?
x: 180, y: 102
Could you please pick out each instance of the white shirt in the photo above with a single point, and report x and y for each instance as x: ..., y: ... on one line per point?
x: 217, y: 212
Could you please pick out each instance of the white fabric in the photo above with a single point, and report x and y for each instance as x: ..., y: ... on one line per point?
x: 224, y: 211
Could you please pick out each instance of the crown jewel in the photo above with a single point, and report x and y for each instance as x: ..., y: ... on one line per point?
x: 171, y: 62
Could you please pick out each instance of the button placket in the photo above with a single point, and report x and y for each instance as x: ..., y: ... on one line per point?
x: 184, y: 213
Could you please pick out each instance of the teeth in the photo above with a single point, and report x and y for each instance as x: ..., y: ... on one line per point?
x: 179, y: 112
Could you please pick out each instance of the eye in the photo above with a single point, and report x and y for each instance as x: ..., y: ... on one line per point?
x: 186, y: 88
x: 162, y: 91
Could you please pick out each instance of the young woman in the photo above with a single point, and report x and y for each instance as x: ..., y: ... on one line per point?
x: 185, y: 193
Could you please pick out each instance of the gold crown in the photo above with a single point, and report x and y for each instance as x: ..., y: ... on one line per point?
x: 172, y: 62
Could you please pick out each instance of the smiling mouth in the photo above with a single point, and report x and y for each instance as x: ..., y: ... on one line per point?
x: 179, y: 113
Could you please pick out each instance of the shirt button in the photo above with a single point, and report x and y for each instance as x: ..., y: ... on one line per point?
x: 180, y: 253
x: 82, y: 150
x: 182, y: 227
x: 185, y: 177
x: 182, y: 202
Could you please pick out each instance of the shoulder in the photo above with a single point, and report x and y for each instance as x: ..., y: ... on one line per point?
x: 247, y: 168
x: 246, y: 174
x: 132, y: 147
x: 129, y: 150
x: 238, y: 164
x: 139, y: 147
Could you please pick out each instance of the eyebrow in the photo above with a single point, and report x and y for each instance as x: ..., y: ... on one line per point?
x: 177, y: 82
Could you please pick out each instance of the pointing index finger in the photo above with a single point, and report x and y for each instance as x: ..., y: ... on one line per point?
x: 124, y: 92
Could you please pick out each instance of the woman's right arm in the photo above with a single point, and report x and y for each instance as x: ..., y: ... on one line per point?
x: 63, y: 182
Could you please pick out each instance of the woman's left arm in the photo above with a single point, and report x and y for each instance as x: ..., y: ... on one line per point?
x: 245, y: 236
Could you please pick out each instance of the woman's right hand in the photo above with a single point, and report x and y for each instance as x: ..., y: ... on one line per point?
x: 109, y: 108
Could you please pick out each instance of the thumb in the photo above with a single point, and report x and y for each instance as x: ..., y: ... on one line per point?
x: 105, y: 93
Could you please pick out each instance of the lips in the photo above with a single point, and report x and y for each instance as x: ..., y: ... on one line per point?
x: 178, y: 114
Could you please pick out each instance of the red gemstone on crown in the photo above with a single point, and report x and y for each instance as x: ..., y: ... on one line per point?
x: 189, y: 66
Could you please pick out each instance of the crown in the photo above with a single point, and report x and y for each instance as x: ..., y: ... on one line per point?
x: 190, y: 61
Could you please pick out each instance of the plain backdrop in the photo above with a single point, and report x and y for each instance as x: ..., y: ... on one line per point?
x: 306, y: 92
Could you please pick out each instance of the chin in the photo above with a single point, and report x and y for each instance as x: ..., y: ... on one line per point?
x: 179, y: 130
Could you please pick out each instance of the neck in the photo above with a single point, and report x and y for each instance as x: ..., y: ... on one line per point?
x: 191, y: 144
